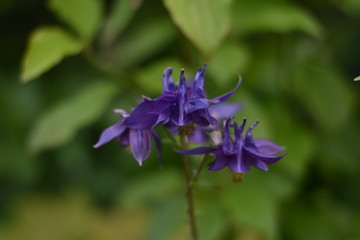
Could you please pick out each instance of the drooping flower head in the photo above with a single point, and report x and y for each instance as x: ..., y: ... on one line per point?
x: 139, y: 140
x: 240, y: 153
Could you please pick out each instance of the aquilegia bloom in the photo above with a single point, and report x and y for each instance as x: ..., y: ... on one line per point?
x: 139, y: 140
x: 239, y: 154
x: 177, y: 106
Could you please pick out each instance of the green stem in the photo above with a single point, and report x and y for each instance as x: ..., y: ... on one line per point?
x: 189, y: 190
x: 199, y: 169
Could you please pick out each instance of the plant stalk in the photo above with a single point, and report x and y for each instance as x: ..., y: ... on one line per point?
x: 189, y: 191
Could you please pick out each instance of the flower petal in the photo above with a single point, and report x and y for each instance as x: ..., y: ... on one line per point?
x: 198, y: 89
x: 202, y: 118
x: 143, y: 116
x: 227, y: 144
x: 198, y: 136
x: 194, y: 105
x: 140, y: 144
x: 168, y: 83
x: 249, y: 141
x: 196, y: 151
x: 268, y: 147
x: 262, y: 157
x: 110, y: 133
x: 179, y: 120
x: 240, y: 163
x: 220, y: 162
x: 226, y: 95
x: 239, y: 140
x: 259, y: 164
x: 224, y: 110
x: 123, y: 138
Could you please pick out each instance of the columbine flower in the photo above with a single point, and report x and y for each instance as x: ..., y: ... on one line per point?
x: 177, y: 106
x: 139, y: 140
x: 240, y: 154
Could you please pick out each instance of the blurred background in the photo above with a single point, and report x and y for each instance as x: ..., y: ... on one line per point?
x: 64, y: 65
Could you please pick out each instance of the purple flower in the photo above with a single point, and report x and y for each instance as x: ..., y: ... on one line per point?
x: 239, y: 154
x: 139, y: 140
x: 177, y: 106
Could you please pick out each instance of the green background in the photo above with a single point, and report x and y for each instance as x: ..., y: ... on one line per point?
x: 65, y: 64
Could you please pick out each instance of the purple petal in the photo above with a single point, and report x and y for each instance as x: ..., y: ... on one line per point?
x: 181, y: 100
x: 226, y: 95
x: 268, y: 147
x: 239, y: 164
x: 198, y: 136
x: 142, y: 117
x: 220, y: 162
x: 224, y: 110
x: 227, y: 144
x: 198, y: 89
x: 262, y: 157
x: 122, y: 112
x: 194, y: 105
x: 140, y: 144
x: 239, y: 141
x: 110, y: 133
x: 168, y: 83
x: 249, y: 142
x: 168, y: 97
x: 158, y: 145
x: 123, y: 139
x: 259, y: 164
x: 203, y: 118
x: 196, y: 151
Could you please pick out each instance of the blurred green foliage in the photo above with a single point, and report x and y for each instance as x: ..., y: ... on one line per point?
x: 297, y: 59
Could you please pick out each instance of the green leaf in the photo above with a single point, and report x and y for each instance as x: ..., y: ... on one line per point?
x: 143, y: 41
x: 204, y: 22
x: 315, y: 74
x: 84, y: 16
x: 59, y: 125
x: 252, y: 206
x: 47, y: 47
x: 230, y: 59
x: 260, y: 16
x: 357, y: 78
x: 142, y: 191
x: 121, y: 14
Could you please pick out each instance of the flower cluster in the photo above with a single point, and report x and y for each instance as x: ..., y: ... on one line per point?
x: 240, y: 153
x: 186, y: 106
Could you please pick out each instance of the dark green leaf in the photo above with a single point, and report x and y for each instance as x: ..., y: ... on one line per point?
x: 260, y: 16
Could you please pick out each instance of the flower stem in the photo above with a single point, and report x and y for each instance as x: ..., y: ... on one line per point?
x: 198, y: 170
x: 189, y: 190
